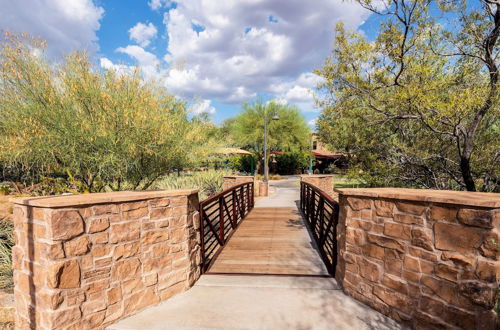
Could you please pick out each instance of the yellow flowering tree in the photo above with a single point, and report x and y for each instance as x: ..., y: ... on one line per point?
x: 419, y: 105
x: 102, y: 130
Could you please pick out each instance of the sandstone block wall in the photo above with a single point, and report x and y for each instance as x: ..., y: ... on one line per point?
x: 231, y: 181
x: 425, y: 258
x: 85, y: 261
x: 323, y: 182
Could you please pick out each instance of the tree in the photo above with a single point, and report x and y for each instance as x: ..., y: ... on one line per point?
x: 419, y: 105
x: 289, y: 133
x: 99, y: 130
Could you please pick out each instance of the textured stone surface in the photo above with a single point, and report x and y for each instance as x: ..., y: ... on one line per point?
x: 422, y: 238
x: 89, y: 265
x: 64, y: 275
x: 77, y: 246
x: 65, y: 224
x: 475, y: 217
x: 457, y: 238
x: 426, y: 265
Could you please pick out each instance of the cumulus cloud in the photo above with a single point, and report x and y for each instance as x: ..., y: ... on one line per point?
x: 66, y: 25
x: 157, y: 4
x: 203, y: 106
x: 143, y: 33
x: 232, y: 51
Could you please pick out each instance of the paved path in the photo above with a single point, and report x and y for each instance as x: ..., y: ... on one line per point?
x: 273, y: 239
x: 287, y: 194
x: 259, y: 302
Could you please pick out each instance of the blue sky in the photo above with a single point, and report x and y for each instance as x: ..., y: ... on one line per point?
x: 214, y: 54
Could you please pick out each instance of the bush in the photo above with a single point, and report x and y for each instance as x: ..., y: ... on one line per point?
x: 242, y: 163
x: 6, y: 244
x: 96, y: 130
x: 207, y: 182
x: 290, y: 162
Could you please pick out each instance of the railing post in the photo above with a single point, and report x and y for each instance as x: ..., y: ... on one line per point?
x: 235, y: 217
x: 248, y: 196
x: 321, y: 210
x: 252, y: 192
x: 202, y: 239
x: 302, y: 196
x: 221, y: 220
x: 242, y: 199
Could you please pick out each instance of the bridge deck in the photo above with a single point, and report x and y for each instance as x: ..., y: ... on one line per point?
x: 271, y: 240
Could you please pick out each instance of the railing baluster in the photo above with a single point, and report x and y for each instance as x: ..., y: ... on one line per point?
x: 242, y: 198
x: 221, y: 220
x: 242, y: 201
x: 202, y: 238
x: 313, y: 202
x: 235, y: 217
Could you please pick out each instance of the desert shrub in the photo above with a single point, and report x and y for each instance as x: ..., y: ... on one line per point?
x: 6, y: 244
x: 207, y: 182
x: 95, y: 129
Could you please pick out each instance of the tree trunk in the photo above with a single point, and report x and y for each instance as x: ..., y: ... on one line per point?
x: 470, y: 185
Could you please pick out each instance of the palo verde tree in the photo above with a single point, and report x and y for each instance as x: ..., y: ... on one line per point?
x: 419, y: 104
x: 100, y: 130
x: 289, y: 133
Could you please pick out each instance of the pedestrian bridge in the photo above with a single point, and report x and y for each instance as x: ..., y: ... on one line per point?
x: 267, y: 264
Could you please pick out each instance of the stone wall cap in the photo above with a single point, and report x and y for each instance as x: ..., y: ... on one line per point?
x: 99, y: 198
x: 467, y: 198
x: 315, y: 175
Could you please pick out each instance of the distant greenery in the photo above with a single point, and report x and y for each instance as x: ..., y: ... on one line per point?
x: 97, y: 131
x: 246, y: 130
x: 419, y: 106
x: 292, y: 162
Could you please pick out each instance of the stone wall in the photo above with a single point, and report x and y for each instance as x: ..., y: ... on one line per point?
x: 85, y: 261
x: 322, y: 181
x: 428, y: 259
x: 231, y: 181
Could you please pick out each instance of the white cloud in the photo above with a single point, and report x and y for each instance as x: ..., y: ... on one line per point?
x: 157, y: 4
x: 107, y: 64
x: 240, y: 52
x: 313, y: 122
x: 229, y: 51
x: 66, y: 25
x: 143, y: 33
x: 202, y: 106
x: 143, y: 57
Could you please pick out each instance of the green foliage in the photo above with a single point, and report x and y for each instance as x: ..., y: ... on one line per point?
x: 207, y: 182
x: 6, y: 244
x: 5, y: 188
x: 242, y: 163
x: 292, y: 162
x: 419, y: 105
x: 96, y: 130
x: 289, y: 133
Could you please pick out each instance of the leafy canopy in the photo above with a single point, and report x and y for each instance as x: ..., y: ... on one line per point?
x: 419, y: 105
x: 100, y: 130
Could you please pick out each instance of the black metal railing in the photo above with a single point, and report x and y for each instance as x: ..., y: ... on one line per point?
x: 322, y: 215
x: 219, y: 216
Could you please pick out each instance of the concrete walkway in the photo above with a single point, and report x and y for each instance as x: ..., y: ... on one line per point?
x: 263, y: 301
x: 259, y: 302
x: 287, y: 194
